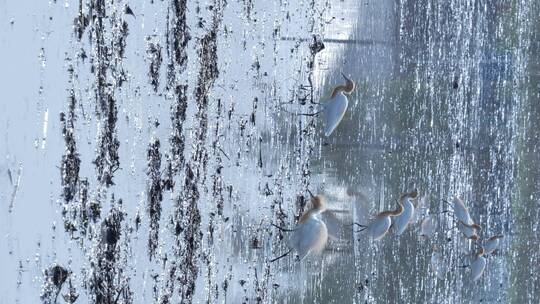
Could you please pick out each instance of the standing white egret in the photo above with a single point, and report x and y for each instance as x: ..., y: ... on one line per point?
x: 492, y: 243
x: 401, y: 221
x: 461, y: 212
x: 335, y: 108
x: 478, y: 265
x: 379, y: 226
x: 465, y: 223
x: 311, y: 233
x: 427, y: 227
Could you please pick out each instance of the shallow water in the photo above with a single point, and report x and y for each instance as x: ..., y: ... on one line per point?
x: 447, y: 101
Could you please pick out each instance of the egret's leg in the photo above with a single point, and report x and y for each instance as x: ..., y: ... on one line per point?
x: 364, y: 228
x: 447, y: 202
x: 448, y: 212
x: 282, y: 229
x: 303, y: 114
x: 354, y: 223
x: 281, y: 256
x: 450, y: 230
x: 461, y: 262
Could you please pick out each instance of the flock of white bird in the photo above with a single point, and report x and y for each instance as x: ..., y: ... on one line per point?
x: 312, y: 231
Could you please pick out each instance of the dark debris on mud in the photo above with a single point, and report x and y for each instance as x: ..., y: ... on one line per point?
x: 153, y: 51
x: 107, y: 282
x: 54, y: 279
x: 155, y: 195
x: 186, y: 217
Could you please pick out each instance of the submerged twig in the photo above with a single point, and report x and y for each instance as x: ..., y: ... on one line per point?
x: 15, y: 188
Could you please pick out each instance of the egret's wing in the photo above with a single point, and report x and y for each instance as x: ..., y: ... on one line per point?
x: 467, y: 231
x: 401, y: 221
x: 334, y: 111
x: 333, y: 224
x: 461, y: 212
x: 294, y: 241
x: 477, y: 268
x: 378, y: 227
x: 491, y: 245
x: 310, y: 236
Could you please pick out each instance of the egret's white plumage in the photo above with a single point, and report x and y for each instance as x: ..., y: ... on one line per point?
x: 492, y: 243
x: 335, y: 108
x: 334, y: 111
x: 427, y: 227
x: 333, y: 224
x: 310, y: 236
x: 311, y: 233
x: 465, y: 223
x: 378, y: 228
x: 401, y: 221
x: 461, y: 212
x: 478, y: 265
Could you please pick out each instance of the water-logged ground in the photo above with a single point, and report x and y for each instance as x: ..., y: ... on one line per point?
x: 147, y: 150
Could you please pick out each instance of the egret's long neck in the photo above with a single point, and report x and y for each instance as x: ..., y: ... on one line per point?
x: 410, y: 195
x: 473, y: 225
x: 304, y: 216
x: 398, y: 210
x: 339, y: 88
x: 311, y: 212
x: 460, y: 203
x: 347, y: 88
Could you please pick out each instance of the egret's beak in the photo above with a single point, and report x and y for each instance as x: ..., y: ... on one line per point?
x: 349, y: 87
x: 311, y: 194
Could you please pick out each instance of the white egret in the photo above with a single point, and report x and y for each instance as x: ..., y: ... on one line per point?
x: 311, y: 233
x: 465, y: 223
x: 427, y: 227
x: 461, y: 212
x: 492, y: 243
x: 378, y: 227
x: 335, y: 108
x: 478, y: 265
x: 400, y: 222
